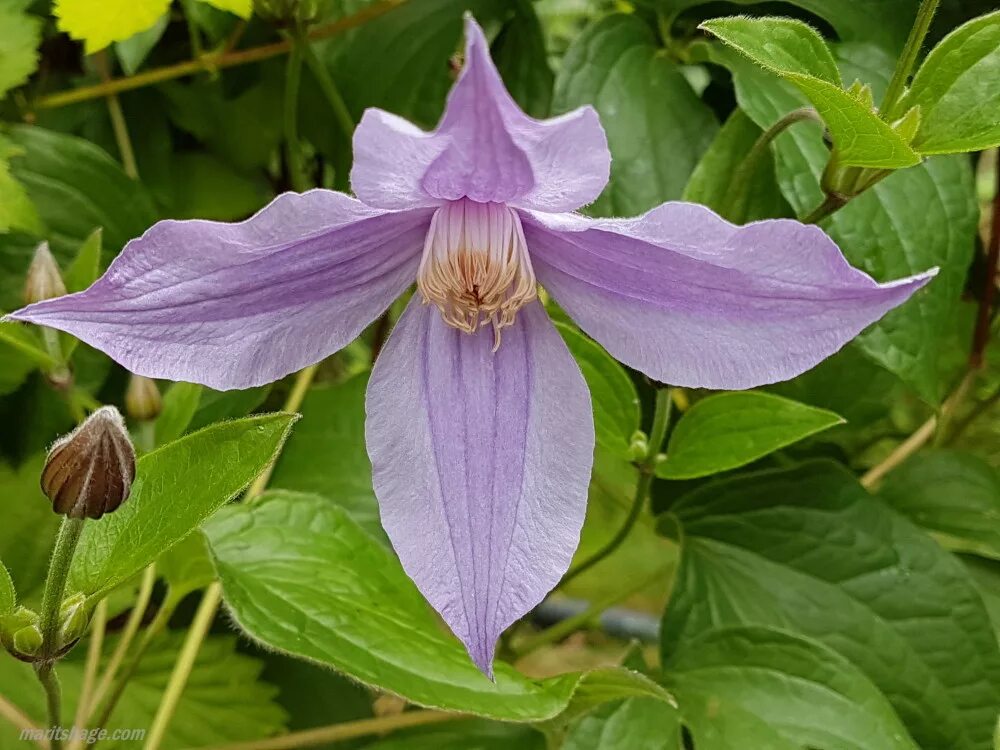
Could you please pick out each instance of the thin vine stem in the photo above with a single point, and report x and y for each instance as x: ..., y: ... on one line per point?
x: 329, y: 88
x: 118, y: 124
x: 212, y: 62
x: 908, y: 59
x: 657, y: 434
x: 293, y: 148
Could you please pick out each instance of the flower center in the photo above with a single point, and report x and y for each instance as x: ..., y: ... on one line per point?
x: 475, y: 266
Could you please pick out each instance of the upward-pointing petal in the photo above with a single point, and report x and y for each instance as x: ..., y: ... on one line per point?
x: 481, y: 463
x: 238, y: 305
x: 485, y: 148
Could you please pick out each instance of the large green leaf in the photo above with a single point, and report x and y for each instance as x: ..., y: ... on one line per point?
x: 636, y: 723
x: 886, y: 22
x: 29, y: 525
x: 20, y: 34
x: 728, y: 430
x: 800, y: 689
x: 954, y: 495
x: 615, y: 400
x: 97, y: 23
x: 469, y: 734
x: 520, y: 56
x: 180, y: 402
x: 657, y: 126
x: 301, y: 576
x: 224, y: 699
x: 17, y: 212
x: 958, y: 90
x: 327, y: 456
x: 916, y: 219
x: 176, y: 488
x: 797, y: 53
x: 713, y: 182
x: 807, y: 550
x: 77, y: 188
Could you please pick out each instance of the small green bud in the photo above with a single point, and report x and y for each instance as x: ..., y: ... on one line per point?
x: 908, y: 125
x: 638, y: 447
x: 863, y: 93
x: 27, y: 641
x: 18, y: 620
x: 44, y: 280
x: 74, y: 619
x: 142, y: 399
x: 89, y: 472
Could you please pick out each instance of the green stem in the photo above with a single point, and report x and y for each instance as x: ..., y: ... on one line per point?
x: 657, y: 434
x: 900, y: 77
x: 193, y: 36
x: 53, y: 700
x: 329, y: 88
x: 55, y: 584
x: 293, y: 150
x: 748, y: 167
x: 118, y: 124
x: 831, y: 204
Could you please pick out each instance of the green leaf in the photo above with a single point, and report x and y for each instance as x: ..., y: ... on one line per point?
x: 187, y: 566
x: 29, y: 526
x: 17, y: 212
x: 241, y: 8
x: 729, y: 430
x: 808, y: 551
x: 86, y: 266
x: 20, y: 35
x: 520, y: 56
x: 327, y: 455
x: 615, y: 400
x: 132, y: 52
x: 206, y: 187
x: 800, y: 689
x: 954, y: 495
x: 657, y: 126
x: 782, y: 45
x: 958, y: 90
x: 22, y: 338
x: 713, y: 181
x: 797, y: 53
x: 77, y: 188
x: 180, y: 403
x: 97, y: 23
x: 224, y: 699
x: 634, y: 723
x: 216, y: 406
x: 914, y: 220
x: 176, y: 488
x: 354, y: 609
x: 885, y: 23
x: 468, y: 734
x: 8, y: 596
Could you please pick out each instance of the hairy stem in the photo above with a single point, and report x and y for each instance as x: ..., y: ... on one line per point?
x: 904, y: 67
x: 53, y: 699
x: 344, y: 731
x: 55, y: 585
x: 226, y: 59
x: 657, y: 434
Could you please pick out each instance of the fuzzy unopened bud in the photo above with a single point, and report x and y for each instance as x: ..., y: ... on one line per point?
x: 142, y: 399
x: 89, y: 472
x: 44, y: 280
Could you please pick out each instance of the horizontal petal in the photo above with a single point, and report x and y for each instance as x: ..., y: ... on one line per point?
x: 481, y: 463
x: 238, y: 305
x: 485, y: 148
x: 692, y: 300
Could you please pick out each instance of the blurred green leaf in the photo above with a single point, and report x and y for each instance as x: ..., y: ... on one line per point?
x: 466, y: 734
x: 17, y: 212
x: 802, y: 691
x: 180, y: 402
x: 20, y: 35
x: 914, y: 220
x: 520, y: 56
x: 729, y: 430
x: 187, y: 566
x: 958, y: 90
x: 216, y: 406
x: 797, y: 53
x: 77, y: 188
x: 954, y: 495
x: 224, y: 699
x: 809, y: 551
x: 636, y: 723
x: 176, y: 488
x: 29, y: 526
x: 354, y: 609
x: 241, y: 8
x: 132, y: 52
x: 713, y: 181
x: 657, y: 126
x: 86, y: 265
x: 98, y: 23
x: 614, y: 398
x: 206, y: 187
x: 327, y: 455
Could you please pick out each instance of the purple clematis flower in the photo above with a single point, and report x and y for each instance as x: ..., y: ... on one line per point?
x: 480, y: 428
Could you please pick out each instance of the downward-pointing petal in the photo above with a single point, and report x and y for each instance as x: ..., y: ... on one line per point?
x: 691, y: 300
x: 481, y: 463
x: 237, y: 305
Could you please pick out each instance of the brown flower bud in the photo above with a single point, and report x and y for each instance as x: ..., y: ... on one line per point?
x: 89, y: 472
x: 44, y: 280
x: 142, y: 398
